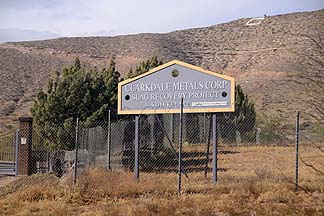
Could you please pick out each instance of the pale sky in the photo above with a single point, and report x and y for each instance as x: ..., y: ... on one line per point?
x: 41, y: 19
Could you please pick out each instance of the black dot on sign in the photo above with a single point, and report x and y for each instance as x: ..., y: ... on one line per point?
x: 224, y: 94
x: 175, y: 73
x: 127, y: 97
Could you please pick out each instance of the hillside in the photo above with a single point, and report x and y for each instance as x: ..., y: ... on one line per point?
x: 261, y: 57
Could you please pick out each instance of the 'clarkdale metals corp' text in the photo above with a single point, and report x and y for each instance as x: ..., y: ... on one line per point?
x: 176, y: 86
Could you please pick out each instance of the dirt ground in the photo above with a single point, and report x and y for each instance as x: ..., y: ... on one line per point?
x: 4, y: 180
x: 255, y: 182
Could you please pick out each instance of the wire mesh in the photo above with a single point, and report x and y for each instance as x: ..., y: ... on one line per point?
x: 311, y: 154
x: 250, y: 148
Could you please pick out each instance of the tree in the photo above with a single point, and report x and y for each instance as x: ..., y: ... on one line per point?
x: 77, y: 93
x: 244, y: 115
x: 107, y: 91
x: 242, y: 120
x: 144, y: 66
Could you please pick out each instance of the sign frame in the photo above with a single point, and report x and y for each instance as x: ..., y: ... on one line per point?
x: 185, y: 110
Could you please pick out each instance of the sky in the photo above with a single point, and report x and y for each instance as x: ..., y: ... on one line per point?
x: 42, y: 19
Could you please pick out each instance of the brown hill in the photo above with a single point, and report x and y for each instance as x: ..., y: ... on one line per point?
x: 261, y: 57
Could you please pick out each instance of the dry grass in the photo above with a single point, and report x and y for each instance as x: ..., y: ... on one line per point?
x: 245, y: 190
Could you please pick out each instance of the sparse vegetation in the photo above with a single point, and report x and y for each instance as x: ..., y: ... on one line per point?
x: 313, y: 85
x: 259, y: 57
x: 241, y: 190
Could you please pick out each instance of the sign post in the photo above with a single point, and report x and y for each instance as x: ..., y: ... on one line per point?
x: 136, y: 165
x: 215, y: 146
x: 180, y: 146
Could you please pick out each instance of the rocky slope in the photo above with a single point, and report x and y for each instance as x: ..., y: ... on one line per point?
x: 262, y: 58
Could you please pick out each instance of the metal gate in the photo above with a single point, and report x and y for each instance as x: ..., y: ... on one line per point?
x: 8, y: 154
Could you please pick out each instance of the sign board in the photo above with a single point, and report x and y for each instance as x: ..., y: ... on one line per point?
x: 23, y: 141
x: 161, y: 89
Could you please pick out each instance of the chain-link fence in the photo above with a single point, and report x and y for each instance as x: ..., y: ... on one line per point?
x: 249, y: 148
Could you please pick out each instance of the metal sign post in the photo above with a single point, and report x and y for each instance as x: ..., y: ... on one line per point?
x: 171, y: 127
x: 180, y: 146
x: 208, y: 147
x: 215, y: 150
x: 136, y: 165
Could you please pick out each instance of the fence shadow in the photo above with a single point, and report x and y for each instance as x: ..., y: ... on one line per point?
x: 167, y: 161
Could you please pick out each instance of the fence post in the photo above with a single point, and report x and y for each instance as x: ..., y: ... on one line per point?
x: 16, y: 151
x: 180, y: 146
x: 48, y: 161
x: 215, y: 150
x: 297, y: 150
x: 25, y: 166
x: 151, y: 120
x: 108, y: 141
x: 14, y: 148
x: 208, y: 147
x: 258, y: 136
x: 136, y: 165
x: 76, y: 151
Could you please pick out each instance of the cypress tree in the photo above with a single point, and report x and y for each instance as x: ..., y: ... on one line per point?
x: 77, y: 93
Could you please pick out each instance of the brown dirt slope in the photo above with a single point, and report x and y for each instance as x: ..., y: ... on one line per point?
x: 261, y: 57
